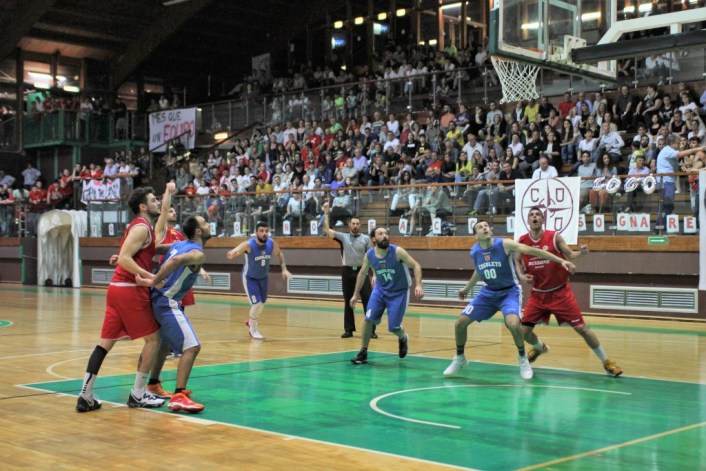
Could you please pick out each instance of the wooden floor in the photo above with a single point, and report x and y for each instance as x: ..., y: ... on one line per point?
x: 53, y: 332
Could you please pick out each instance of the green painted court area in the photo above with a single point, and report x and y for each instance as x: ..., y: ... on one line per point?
x: 486, y: 418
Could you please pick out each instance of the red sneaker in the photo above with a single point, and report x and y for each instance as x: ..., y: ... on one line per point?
x: 182, y: 401
x: 158, y: 391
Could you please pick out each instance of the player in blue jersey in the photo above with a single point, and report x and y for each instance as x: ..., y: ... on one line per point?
x: 494, y: 265
x: 258, y: 253
x: 176, y: 276
x: 390, y: 265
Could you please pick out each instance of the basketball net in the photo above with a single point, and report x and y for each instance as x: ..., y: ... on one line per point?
x: 518, y: 80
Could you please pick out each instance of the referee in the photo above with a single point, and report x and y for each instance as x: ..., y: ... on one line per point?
x: 353, y: 248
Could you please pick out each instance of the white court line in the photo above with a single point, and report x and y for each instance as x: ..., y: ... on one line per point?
x: 284, y: 436
x: 374, y: 402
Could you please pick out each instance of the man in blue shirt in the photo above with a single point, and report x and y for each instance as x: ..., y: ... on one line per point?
x: 391, y: 290
x: 494, y: 266
x: 175, y: 278
x: 668, y: 162
x: 258, y: 252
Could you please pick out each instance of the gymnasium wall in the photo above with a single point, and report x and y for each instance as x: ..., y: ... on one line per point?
x: 614, y: 261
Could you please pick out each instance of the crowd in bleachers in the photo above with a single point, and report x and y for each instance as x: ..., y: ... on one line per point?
x: 594, y: 136
x: 26, y: 196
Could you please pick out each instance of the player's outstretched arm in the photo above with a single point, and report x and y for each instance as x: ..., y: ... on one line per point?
x: 360, y: 279
x: 404, y: 257
x: 160, y: 228
x: 282, y: 262
x: 243, y: 247
x: 327, y: 227
x: 512, y: 246
x: 568, y: 252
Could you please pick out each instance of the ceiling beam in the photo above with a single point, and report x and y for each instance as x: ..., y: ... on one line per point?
x: 74, y: 39
x: 142, y: 47
x: 26, y: 14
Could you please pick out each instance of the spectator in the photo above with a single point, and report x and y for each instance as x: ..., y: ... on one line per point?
x: 436, y: 203
x: 636, y: 197
x: 30, y: 175
x: 598, y: 198
x: 505, y: 199
x: 544, y: 170
x: 624, y: 109
x: 610, y: 143
x: 587, y: 171
x: 487, y: 197
x: 406, y: 195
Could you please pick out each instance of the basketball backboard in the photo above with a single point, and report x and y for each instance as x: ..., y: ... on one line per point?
x: 543, y: 32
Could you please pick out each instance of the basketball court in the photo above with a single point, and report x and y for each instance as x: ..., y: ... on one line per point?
x: 296, y: 401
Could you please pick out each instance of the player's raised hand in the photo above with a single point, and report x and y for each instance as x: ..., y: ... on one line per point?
x: 171, y: 186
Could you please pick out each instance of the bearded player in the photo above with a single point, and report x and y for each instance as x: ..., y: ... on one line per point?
x: 551, y: 293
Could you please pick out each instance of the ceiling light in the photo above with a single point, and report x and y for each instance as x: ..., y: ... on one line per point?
x: 382, y: 16
x: 220, y: 136
x: 401, y: 12
x: 338, y: 24
x: 359, y: 20
x: 71, y: 89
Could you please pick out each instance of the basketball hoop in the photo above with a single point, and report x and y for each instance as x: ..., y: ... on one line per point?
x: 518, y: 80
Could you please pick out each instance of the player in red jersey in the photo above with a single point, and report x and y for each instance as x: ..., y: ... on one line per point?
x: 166, y: 234
x: 128, y: 311
x: 551, y: 292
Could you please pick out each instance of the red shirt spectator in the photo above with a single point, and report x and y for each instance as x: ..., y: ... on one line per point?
x: 566, y: 105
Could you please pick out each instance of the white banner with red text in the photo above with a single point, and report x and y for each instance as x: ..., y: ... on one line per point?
x: 557, y: 198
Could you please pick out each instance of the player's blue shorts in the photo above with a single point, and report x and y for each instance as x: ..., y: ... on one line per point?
x: 175, y: 327
x: 255, y: 289
x: 394, y: 301
x: 488, y: 302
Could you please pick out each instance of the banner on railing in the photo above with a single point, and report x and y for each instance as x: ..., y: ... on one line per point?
x: 166, y: 125
x: 100, y: 190
x: 702, y: 233
x: 557, y: 197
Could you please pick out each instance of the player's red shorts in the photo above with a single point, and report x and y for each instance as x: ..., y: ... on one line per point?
x: 188, y: 299
x: 128, y: 313
x: 560, y: 302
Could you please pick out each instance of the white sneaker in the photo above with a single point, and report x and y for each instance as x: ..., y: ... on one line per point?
x: 146, y: 400
x: 525, y: 368
x: 456, y: 365
x: 252, y: 328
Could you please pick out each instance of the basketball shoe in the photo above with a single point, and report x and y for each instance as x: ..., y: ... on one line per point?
x: 157, y: 390
x: 403, y: 345
x: 252, y: 329
x: 534, y: 353
x: 360, y: 358
x: 86, y: 404
x: 612, y: 369
x: 456, y: 365
x: 525, y: 368
x: 182, y: 401
x: 147, y: 400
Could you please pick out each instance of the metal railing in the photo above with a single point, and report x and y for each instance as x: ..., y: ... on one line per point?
x: 405, y: 210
